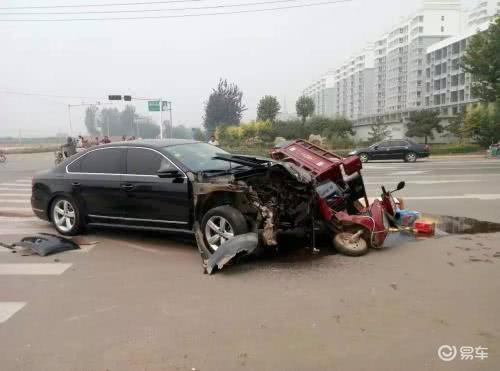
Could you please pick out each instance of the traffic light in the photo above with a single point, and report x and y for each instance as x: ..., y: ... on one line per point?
x: 114, y: 97
x: 127, y: 98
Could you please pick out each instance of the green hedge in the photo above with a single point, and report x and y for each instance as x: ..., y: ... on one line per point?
x: 450, y: 149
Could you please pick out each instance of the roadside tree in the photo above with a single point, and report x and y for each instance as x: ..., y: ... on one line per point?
x: 90, y: 120
x: 378, y: 132
x: 424, y: 124
x: 482, y: 61
x: 305, y: 108
x: 224, y: 106
x: 268, y: 108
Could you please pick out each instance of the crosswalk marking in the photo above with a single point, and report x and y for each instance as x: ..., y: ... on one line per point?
x: 16, y: 189
x: 17, y: 185
x: 9, y: 308
x: 13, y: 201
x: 51, y: 269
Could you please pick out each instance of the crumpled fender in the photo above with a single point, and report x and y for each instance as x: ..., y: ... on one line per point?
x: 244, y: 243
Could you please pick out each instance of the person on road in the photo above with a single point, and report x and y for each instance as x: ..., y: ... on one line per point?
x: 69, y: 148
x: 105, y: 140
x: 213, y: 141
x: 96, y: 141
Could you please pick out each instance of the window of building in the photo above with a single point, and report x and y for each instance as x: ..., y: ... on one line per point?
x: 443, y: 98
x: 443, y: 67
x: 442, y: 28
x: 443, y: 83
x: 454, y: 80
x: 442, y: 17
x: 462, y: 79
x: 437, y: 84
x: 437, y: 69
x: 454, y: 97
x: 461, y: 95
x: 455, y: 48
x: 437, y: 100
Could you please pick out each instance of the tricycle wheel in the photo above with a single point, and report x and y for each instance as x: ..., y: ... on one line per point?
x: 350, y: 244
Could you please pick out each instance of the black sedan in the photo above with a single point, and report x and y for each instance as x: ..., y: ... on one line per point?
x: 402, y: 149
x: 137, y: 184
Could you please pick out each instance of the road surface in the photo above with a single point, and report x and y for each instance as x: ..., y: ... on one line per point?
x: 139, y: 301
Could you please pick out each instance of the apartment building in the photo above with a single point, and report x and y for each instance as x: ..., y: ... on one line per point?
x: 347, y: 90
x: 416, y: 65
x: 484, y: 12
x: 448, y: 86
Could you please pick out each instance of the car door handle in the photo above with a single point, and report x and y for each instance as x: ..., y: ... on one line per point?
x: 128, y: 187
x: 76, y: 184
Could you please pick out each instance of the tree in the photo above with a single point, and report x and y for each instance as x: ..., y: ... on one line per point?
x: 268, y: 109
x: 181, y: 132
x: 482, y: 123
x: 378, y: 132
x: 90, y: 120
x: 423, y: 124
x: 482, y: 61
x: 149, y: 130
x: 199, y: 135
x: 456, y: 126
x: 109, y: 122
x: 127, y: 120
x: 339, y: 127
x: 305, y: 108
x: 224, y: 106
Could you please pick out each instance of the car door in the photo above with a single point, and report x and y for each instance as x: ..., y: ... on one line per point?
x: 96, y: 181
x: 151, y: 200
x: 398, y: 149
x: 381, y: 151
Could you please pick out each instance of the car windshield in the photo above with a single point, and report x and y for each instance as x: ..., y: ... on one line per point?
x: 198, y: 156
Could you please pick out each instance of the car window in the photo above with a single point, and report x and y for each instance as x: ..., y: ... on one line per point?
x: 198, y: 156
x: 384, y: 144
x: 142, y: 161
x: 398, y: 143
x: 75, y: 167
x: 103, y: 161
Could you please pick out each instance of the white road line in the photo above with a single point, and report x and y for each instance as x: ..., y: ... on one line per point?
x: 20, y: 195
x: 17, y: 185
x: 28, y: 181
x: 11, y: 201
x: 52, y: 269
x: 9, y: 308
x: 21, y: 219
x: 11, y: 189
x: 428, y: 182
x: 409, y: 172
x: 466, y: 196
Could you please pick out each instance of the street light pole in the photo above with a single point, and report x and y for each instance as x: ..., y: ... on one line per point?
x: 161, y: 119
x: 70, y: 124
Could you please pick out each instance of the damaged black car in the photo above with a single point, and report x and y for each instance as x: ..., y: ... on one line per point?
x: 233, y: 204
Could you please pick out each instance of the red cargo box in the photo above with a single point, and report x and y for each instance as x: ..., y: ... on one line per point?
x: 319, y: 162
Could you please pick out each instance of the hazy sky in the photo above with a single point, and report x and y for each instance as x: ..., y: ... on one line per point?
x: 276, y: 53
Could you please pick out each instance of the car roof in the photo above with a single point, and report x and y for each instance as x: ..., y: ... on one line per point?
x: 151, y: 143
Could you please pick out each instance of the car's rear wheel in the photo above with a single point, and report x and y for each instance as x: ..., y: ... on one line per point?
x: 411, y: 157
x: 221, y: 224
x: 66, y: 216
x: 363, y: 157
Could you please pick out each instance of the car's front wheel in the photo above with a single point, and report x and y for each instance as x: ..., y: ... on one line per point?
x: 66, y: 216
x: 411, y: 157
x: 363, y: 157
x: 221, y: 224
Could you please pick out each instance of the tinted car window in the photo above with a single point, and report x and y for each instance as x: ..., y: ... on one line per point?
x: 75, y: 167
x: 104, y: 161
x: 384, y: 144
x: 399, y: 143
x: 144, y: 161
x: 198, y: 156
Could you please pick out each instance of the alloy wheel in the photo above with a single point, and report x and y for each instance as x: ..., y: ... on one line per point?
x: 411, y: 157
x: 217, y: 231
x: 64, y: 216
x: 363, y: 157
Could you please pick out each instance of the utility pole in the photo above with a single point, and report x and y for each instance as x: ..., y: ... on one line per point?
x: 161, y: 119
x: 70, y: 124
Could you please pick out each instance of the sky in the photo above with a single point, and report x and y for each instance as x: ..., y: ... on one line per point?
x: 178, y: 59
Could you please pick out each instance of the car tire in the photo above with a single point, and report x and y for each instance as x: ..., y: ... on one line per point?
x: 410, y: 157
x: 344, y: 246
x: 363, y: 157
x: 66, y: 216
x: 220, y: 224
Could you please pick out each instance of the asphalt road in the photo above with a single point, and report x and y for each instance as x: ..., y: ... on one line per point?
x: 139, y: 301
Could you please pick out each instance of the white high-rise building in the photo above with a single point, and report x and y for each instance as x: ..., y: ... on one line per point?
x: 484, y: 12
x: 347, y: 90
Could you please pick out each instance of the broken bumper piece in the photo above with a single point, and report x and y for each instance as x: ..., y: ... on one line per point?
x: 245, y: 243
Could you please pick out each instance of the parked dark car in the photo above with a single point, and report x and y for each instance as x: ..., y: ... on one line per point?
x: 173, y: 185
x: 400, y: 149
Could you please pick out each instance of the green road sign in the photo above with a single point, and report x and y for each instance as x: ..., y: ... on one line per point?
x: 154, y: 106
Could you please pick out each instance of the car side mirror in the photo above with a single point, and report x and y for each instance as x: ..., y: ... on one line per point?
x: 400, y: 186
x: 169, y: 174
